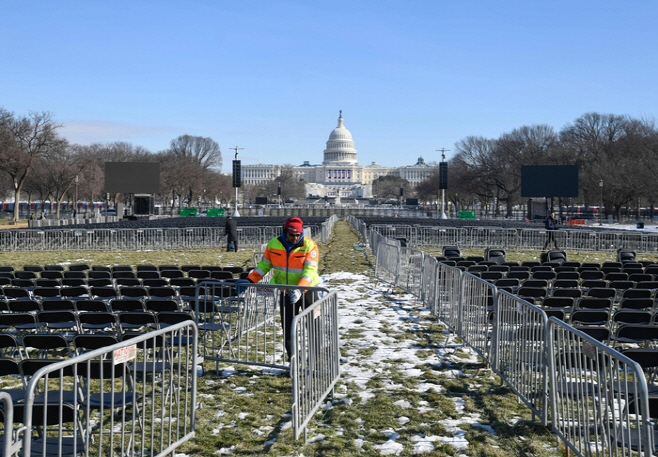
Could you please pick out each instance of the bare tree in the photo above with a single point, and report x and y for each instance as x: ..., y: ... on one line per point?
x: 194, y: 155
x: 60, y: 166
x: 22, y: 141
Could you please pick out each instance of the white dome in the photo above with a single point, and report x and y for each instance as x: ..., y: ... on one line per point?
x: 340, y: 146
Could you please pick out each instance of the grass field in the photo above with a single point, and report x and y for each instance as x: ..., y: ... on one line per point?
x: 407, y: 386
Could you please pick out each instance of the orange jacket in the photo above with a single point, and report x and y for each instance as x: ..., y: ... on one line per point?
x: 294, y: 265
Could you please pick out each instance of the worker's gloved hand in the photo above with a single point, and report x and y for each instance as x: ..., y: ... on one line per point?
x: 295, y: 295
x: 241, y: 286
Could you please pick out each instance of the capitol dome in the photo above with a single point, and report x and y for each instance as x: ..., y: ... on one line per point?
x: 340, y: 146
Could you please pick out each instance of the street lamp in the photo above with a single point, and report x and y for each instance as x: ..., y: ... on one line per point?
x: 601, y: 207
x: 76, y: 195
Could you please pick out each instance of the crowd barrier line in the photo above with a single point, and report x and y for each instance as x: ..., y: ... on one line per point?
x: 242, y: 323
x: 153, y: 374
x: 526, y: 349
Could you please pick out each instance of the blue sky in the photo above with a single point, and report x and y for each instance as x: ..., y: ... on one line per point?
x: 270, y: 76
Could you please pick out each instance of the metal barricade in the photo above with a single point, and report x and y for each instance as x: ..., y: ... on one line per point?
x: 486, y: 237
x: 633, y: 240
x: 599, y: 400
x: 429, y: 289
x: 242, y: 323
x: 582, y: 240
x: 387, y: 263
x: 652, y: 243
x: 7, y: 240
x: 137, y: 397
x: 411, y: 271
x: 608, y: 241
x: 440, y: 236
x: 449, y: 284
x: 9, y: 446
x: 520, y: 351
x: 395, y: 231
x: 476, y: 313
x: 532, y: 239
x: 315, y: 360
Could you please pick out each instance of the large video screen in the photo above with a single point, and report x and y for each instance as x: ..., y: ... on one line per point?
x: 549, y: 181
x: 132, y: 177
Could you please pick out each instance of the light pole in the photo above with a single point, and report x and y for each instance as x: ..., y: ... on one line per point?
x: 75, y: 208
x: 237, y: 179
x: 443, y: 181
x: 601, y: 207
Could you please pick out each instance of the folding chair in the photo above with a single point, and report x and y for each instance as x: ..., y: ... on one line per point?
x: 46, y: 346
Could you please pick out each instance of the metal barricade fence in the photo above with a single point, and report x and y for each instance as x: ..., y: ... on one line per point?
x: 137, y: 397
x: 634, y: 241
x: 449, y: 291
x: 440, y: 236
x: 485, y: 237
x: 411, y: 271
x: 6, y: 240
x: 387, y: 263
x: 429, y: 289
x: 582, y: 240
x: 9, y: 446
x: 242, y: 323
x: 532, y: 238
x: 476, y: 313
x: 315, y: 359
x: 594, y: 397
x: 608, y: 241
x: 520, y: 351
x: 599, y: 396
x: 392, y: 231
x: 360, y: 227
x: 652, y: 243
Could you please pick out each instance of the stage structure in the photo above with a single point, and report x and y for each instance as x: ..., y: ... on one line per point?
x: 140, y: 180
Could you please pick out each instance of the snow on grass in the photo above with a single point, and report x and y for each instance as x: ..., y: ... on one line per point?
x: 371, y: 323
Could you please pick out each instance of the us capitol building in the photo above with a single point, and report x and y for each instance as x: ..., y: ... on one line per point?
x: 339, y: 175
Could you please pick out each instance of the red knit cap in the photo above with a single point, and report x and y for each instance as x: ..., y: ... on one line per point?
x: 294, y: 224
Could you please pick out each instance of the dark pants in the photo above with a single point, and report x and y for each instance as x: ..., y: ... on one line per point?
x: 290, y: 310
x: 234, y: 243
x: 550, y: 237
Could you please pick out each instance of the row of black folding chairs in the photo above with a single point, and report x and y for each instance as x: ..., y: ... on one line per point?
x: 36, y: 333
x: 205, y: 272
x: 116, y: 268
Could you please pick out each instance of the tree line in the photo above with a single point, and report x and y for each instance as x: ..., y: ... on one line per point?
x: 37, y: 163
x: 620, y: 152
x: 617, y: 158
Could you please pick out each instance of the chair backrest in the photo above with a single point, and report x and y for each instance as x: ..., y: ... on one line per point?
x: 566, y: 283
x: 534, y: 292
x: 495, y: 255
x: 126, y: 304
x: 558, y: 302
x: 601, y: 292
x: 626, y: 255
x: 567, y: 292
x: 595, y: 303
x: 74, y: 292
x: 57, y: 304
x: 637, y: 293
x: 451, y: 252
x: 158, y: 305
x: 646, y: 303
x: 91, y: 305
x: 47, y: 345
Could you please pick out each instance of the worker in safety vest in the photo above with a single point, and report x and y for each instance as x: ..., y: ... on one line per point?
x: 294, y: 258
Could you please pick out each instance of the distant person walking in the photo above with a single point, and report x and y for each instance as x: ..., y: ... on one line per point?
x: 231, y: 231
x: 551, y: 227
